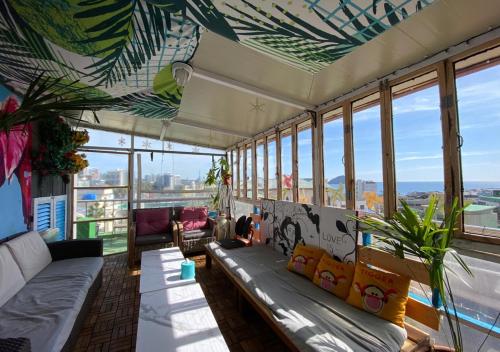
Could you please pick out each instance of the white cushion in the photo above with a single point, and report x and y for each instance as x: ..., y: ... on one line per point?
x: 31, y: 253
x: 11, y: 278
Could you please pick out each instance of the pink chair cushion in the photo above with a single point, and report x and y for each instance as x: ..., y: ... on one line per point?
x: 194, y: 218
x: 152, y: 221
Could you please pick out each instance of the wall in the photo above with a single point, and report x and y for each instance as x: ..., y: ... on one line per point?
x: 15, y: 176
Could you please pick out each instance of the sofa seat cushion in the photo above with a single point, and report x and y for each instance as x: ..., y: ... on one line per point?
x: 152, y: 221
x: 196, y: 234
x: 311, y: 317
x: 11, y: 278
x: 31, y: 253
x: 46, y: 308
x: 145, y: 240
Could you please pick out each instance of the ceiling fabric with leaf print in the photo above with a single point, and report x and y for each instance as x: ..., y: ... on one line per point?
x: 124, y: 48
x: 308, y: 34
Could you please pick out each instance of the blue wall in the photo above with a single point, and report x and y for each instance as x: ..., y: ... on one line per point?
x: 11, y: 205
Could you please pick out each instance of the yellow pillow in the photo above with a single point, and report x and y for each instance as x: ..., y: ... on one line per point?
x: 381, y: 293
x: 305, y: 259
x: 334, y: 276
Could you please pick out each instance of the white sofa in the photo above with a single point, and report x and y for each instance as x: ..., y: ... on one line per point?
x: 46, y: 290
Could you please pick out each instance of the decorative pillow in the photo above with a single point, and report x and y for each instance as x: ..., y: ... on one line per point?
x: 305, y: 259
x: 31, y: 254
x: 11, y: 278
x: 152, y: 221
x: 194, y: 218
x: 381, y: 293
x: 334, y: 276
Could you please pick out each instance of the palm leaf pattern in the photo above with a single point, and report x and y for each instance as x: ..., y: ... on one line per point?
x: 158, y: 106
x: 131, y: 33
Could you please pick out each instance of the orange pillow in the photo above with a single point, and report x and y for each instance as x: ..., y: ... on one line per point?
x: 305, y: 259
x: 334, y: 276
x: 381, y: 293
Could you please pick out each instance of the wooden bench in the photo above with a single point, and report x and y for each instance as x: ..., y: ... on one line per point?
x: 417, y: 340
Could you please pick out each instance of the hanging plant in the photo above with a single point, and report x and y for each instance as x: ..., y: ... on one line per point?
x: 58, y: 154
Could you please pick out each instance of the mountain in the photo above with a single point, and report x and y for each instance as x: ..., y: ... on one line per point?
x: 337, y: 180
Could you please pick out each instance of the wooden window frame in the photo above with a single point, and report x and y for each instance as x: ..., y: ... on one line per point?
x: 446, y: 77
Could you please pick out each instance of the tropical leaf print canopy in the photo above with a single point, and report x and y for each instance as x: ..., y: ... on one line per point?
x: 124, y: 48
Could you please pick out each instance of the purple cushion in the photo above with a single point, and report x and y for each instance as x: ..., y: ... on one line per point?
x: 194, y: 218
x: 152, y: 221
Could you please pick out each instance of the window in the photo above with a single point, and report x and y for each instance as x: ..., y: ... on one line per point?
x: 249, y: 171
x: 169, y: 180
x: 100, y: 200
x: 418, y: 142
x: 333, y: 159
x: 304, y: 159
x: 241, y: 174
x: 234, y: 170
x: 286, y: 165
x: 260, y: 168
x: 98, y: 138
x: 272, y: 184
x: 368, y: 154
x: 477, y: 82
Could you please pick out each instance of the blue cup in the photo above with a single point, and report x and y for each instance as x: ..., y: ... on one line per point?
x: 187, y: 270
x: 367, y: 239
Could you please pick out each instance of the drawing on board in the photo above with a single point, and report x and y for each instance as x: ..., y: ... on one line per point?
x: 293, y: 224
x: 267, y: 222
x: 339, y: 233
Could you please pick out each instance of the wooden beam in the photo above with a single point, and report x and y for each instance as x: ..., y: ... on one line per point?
x: 254, y: 170
x: 349, y: 156
x: 451, y: 145
x: 387, y: 149
x: 266, y: 169
x: 279, y: 175
x: 295, y: 164
x: 245, y: 177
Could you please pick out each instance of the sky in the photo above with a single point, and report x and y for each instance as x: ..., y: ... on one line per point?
x: 417, y: 140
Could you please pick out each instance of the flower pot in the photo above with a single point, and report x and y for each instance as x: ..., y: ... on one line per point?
x: 437, y: 302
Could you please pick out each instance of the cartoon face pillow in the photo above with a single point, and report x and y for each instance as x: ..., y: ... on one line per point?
x: 334, y: 276
x: 305, y: 259
x: 381, y: 293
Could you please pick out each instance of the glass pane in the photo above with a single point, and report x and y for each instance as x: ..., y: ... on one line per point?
x: 100, y: 203
x: 271, y: 169
x: 234, y: 170
x: 98, y: 138
x: 368, y: 154
x: 418, y: 142
x: 333, y: 156
x: 260, y: 169
x: 286, y: 166
x: 477, y: 82
x: 174, y: 179
x: 241, y: 175
x: 249, y: 171
x: 104, y: 170
x: 304, y: 157
x: 156, y: 144
x: 112, y: 232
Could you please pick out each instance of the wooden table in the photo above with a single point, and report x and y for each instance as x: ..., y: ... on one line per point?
x: 161, y: 269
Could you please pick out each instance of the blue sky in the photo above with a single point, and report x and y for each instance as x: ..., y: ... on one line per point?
x: 417, y: 139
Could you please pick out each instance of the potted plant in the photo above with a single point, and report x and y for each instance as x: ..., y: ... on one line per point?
x: 219, y: 173
x: 406, y: 233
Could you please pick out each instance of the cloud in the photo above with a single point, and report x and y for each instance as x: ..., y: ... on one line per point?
x: 419, y: 157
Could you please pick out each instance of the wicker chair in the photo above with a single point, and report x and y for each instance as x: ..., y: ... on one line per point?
x: 151, y: 228
x: 194, y: 228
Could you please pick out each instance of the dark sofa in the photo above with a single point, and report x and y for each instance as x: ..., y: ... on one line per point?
x: 47, y: 313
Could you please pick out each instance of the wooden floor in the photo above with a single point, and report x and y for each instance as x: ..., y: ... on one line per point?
x: 112, y: 322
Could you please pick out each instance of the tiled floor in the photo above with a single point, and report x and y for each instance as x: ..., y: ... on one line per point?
x: 112, y: 322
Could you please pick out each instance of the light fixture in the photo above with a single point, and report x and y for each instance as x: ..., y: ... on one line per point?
x: 182, y: 73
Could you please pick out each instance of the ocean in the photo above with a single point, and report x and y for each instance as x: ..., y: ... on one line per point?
x: 404, y: 188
